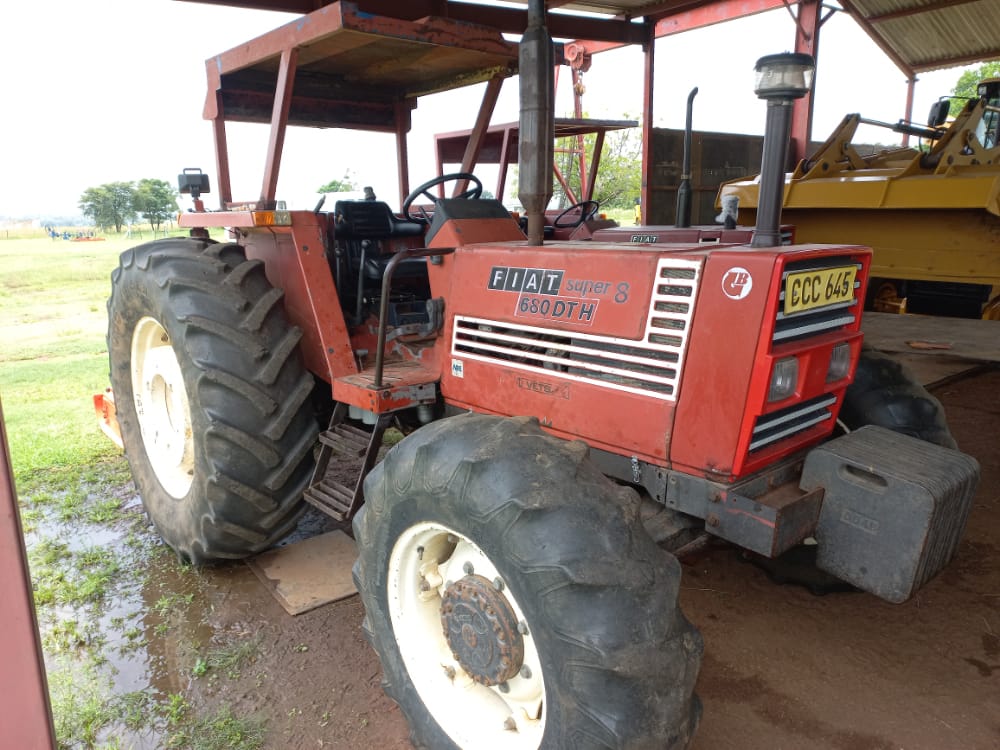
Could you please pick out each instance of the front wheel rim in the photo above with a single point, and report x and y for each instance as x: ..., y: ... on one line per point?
x: 161, y: 407
x: 426, y: 559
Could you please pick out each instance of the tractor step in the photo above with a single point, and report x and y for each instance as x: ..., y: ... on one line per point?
x: 345, y: 451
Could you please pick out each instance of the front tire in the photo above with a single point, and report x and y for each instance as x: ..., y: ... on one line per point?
x: 213, y: 400
x: 886, y: 393
x: 515, y: 600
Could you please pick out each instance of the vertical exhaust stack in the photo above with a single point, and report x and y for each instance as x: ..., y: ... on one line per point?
x: 682, y: 215
x: 537, y: 130
x: 780, y: 80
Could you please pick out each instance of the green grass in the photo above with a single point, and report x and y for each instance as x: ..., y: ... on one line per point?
x: 86, y: 553
x: 219, y: 731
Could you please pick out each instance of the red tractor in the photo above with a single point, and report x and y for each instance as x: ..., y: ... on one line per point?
x: 575, y: 410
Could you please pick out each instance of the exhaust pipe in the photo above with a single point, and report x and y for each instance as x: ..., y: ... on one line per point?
x: 537, y: 129
x: 781, y: 79
x: 682, y: 217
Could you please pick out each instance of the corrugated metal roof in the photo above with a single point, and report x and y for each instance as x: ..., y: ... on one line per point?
x: 921, y: 35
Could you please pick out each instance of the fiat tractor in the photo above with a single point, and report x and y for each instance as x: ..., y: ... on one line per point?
x: 575, y: 412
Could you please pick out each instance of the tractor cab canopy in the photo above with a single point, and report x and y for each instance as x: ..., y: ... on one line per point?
x: 500, y: 146
x: 340, y: 67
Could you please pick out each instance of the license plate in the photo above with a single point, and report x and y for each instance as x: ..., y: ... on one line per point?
x: 806, y: 290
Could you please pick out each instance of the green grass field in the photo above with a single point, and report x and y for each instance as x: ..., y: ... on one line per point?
x: 89, y: 547
x: 52, y: 325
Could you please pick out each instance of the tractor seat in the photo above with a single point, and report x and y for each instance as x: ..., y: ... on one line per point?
x: 371, y: 220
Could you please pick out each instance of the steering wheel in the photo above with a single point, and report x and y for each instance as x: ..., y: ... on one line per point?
x: 425, y: 190
x: 588, y: 210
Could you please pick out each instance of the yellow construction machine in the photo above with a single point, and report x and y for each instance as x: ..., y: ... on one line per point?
x: 931, y: 214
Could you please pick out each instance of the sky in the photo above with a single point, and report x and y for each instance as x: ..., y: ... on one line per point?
x: 99, y: 91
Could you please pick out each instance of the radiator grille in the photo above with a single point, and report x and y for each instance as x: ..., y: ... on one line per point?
x: 778, y: 425
x: 820, y: 319
x: 650, y: 365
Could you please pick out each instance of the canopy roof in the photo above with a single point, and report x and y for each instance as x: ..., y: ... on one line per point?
x: 918, y: 35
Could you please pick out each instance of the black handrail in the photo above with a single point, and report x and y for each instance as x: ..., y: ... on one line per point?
x: 383, y: 311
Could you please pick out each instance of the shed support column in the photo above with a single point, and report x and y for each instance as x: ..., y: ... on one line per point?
x: 807, y: 28
x: 911, y: 84
x: 647, y: 126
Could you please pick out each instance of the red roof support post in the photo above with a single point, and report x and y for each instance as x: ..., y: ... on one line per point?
x: 475, y: 144
x: 911, y: 84
x: 401, y: 111
x: 807, y: 25
x: 647, y: 124
x: 25, y: 713
x: 224, y: 181
x: 215, y: 112
x: 279, y: 123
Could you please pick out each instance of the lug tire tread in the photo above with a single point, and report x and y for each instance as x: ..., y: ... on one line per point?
x: 886, y: 393
x: 247, y: 387
x: 602, y: 596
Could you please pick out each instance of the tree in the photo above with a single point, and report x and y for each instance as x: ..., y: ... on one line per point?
x: 619, y: 179
x: 345, y: 185
x: 110, y: 204
x: 156, y: 201
x: 966, y: 85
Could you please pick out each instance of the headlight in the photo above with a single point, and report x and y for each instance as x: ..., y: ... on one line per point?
x: 784, y: 378
x: 840, y: 362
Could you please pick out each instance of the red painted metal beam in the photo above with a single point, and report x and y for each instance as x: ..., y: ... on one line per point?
x: 505, y: 19
x: 475, y: 144
x: 25, y: 713
x: 225, y: 183
x: 279, y: 123
x: 712, y: 13
x: 807, y: 26
x: 910, y: 86
x: 403, y: 110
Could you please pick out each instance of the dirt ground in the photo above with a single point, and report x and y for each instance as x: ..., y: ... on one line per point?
x: 783, y: 668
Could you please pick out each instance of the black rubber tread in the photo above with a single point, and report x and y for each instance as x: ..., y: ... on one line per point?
x: 249, y: 394
x: 886, y: 393
x: 619, y: 659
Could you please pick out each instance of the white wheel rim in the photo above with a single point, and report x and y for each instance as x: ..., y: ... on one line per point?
x: 161, y: 406
x: 425, y: 559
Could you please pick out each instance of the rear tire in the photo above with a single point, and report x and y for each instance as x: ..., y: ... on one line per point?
x: 886, y: 393
x: 477, y: 500
x: 213, y: 400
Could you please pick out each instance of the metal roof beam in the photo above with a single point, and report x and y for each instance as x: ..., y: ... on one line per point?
x: 706, y: 14
x: 889, y: 52
x: 917, y: 10
x: 504, y: 19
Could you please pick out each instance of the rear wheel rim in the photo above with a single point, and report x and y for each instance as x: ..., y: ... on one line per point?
x: 425, y: 560
x: 162, y: 408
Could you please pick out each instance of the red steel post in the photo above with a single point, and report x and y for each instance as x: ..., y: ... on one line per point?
x: 25, y: 713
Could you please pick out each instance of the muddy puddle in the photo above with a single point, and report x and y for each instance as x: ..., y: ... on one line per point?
x: 143, y: 652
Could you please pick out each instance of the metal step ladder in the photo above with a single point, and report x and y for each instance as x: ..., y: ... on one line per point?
x: 345, y: 451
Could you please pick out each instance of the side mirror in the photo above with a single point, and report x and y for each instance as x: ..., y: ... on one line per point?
x: 193, y: 181
x: 939, y: 112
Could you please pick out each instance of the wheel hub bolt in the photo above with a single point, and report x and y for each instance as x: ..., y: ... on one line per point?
x: 525, y: 672
x: 509, y: 724
x: 498, y: 584
x: 522, y: 627
x: 504, y: 687
x: 468, y: 569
